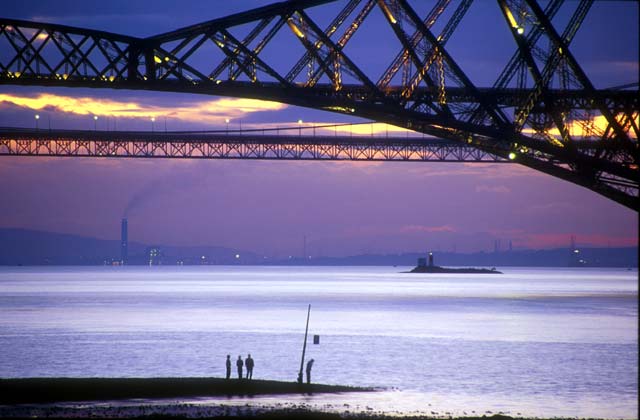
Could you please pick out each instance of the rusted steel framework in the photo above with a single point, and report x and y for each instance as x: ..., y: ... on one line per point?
x: 235, y: 145
x: 540, y: 112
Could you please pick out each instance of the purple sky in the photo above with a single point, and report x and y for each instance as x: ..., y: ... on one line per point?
x: 343, y: 208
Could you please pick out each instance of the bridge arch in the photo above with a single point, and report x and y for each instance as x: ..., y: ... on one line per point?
x: 526, y: 116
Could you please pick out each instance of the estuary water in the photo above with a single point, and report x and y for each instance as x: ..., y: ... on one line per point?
x: 530, y: 342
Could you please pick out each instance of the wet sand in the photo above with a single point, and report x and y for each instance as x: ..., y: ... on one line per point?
x: 50, y: 390
x: 179, y: 410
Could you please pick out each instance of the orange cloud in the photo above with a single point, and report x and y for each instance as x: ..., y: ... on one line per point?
x: 327, y: 128
x: 523, y: 239
x: 588, y: 128
x: 215, y: 111
x: 370, y: 129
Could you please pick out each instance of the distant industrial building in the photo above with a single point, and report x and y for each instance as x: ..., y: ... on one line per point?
x: 154, y: 255
x: 124, y: 243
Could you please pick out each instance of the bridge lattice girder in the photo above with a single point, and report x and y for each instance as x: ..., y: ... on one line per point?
x: 252, y: 144
x: 539, y: 112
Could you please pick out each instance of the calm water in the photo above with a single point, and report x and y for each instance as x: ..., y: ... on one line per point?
x: 539, y: 342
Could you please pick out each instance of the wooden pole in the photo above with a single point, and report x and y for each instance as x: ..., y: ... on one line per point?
x: 304, y: 346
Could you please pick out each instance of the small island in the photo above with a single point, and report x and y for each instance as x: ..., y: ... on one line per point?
x: 423, y: 267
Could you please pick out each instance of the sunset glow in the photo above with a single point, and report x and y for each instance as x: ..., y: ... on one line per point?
x: 594, y: 127
x: 213, y: 111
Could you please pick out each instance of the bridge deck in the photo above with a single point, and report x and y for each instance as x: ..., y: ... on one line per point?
x: 234, y: 145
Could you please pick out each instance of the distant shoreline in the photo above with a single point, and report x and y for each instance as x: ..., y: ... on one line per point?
x: 51, y: 390
x: 60, y: 249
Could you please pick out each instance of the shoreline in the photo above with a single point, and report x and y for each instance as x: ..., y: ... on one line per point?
x: 178, y: 410
x: 53, y: 390
x: 208, y: 398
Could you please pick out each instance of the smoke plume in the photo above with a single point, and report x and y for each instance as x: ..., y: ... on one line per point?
x: 141, y: 197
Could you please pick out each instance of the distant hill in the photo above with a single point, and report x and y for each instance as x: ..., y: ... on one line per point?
x: 30, y: 247
x: 560, y: 257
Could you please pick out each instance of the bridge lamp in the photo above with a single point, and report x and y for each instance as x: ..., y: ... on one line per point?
x: 37, y: 118
x: 227, y: 120
x: 95, y: 122
x: 299, y: 127
x: 512, y: 156
x: 520, y: 30
x: 153, y: 120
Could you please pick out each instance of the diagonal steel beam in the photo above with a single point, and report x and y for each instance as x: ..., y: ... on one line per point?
x: 532, y: 37
x: 582, y: 77
x: 402, y: 56
x: 335, y: 49
x: 282, y: 8
x: 495, y: 113
x: 540, y: 84
x: 306, y: 59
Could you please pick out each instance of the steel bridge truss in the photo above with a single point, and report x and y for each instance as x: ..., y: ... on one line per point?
x: 225, y: 145
x: 540, y: 111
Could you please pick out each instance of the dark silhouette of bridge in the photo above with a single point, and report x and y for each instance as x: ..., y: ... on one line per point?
x: 286, y: 143
x: 540, y: 112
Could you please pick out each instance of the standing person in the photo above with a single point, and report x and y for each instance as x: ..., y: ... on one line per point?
x: 239, y: 364
x: 309, y: 365
x: 249, y: 363
x: 228, y: 366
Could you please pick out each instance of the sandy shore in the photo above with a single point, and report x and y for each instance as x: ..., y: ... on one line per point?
x: 48, y: 390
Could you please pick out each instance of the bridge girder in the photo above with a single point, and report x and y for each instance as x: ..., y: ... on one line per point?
x: 526, y: 116
x: 248, y: 144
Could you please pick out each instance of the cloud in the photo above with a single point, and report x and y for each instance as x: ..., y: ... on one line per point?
x: 595, y: 126
x: 371, y: 230
x: 374, y: 129
x: 552, y: 208
x: 498, y: 189
x: 215, y: 111
x: 559, y: 240
x: 523, y: 238
x: 475, y: 169
x: 630, y: 67
x: 426, y: 229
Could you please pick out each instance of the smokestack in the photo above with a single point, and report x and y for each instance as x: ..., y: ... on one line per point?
x: 124, y: 243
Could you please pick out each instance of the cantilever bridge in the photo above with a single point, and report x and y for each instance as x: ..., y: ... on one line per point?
x: 542, y: 111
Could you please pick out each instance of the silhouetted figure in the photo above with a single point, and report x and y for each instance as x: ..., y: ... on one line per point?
x: 309, y: 365
x: 239, y: 364
x: 228, y: 366
x: 249, y: 363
